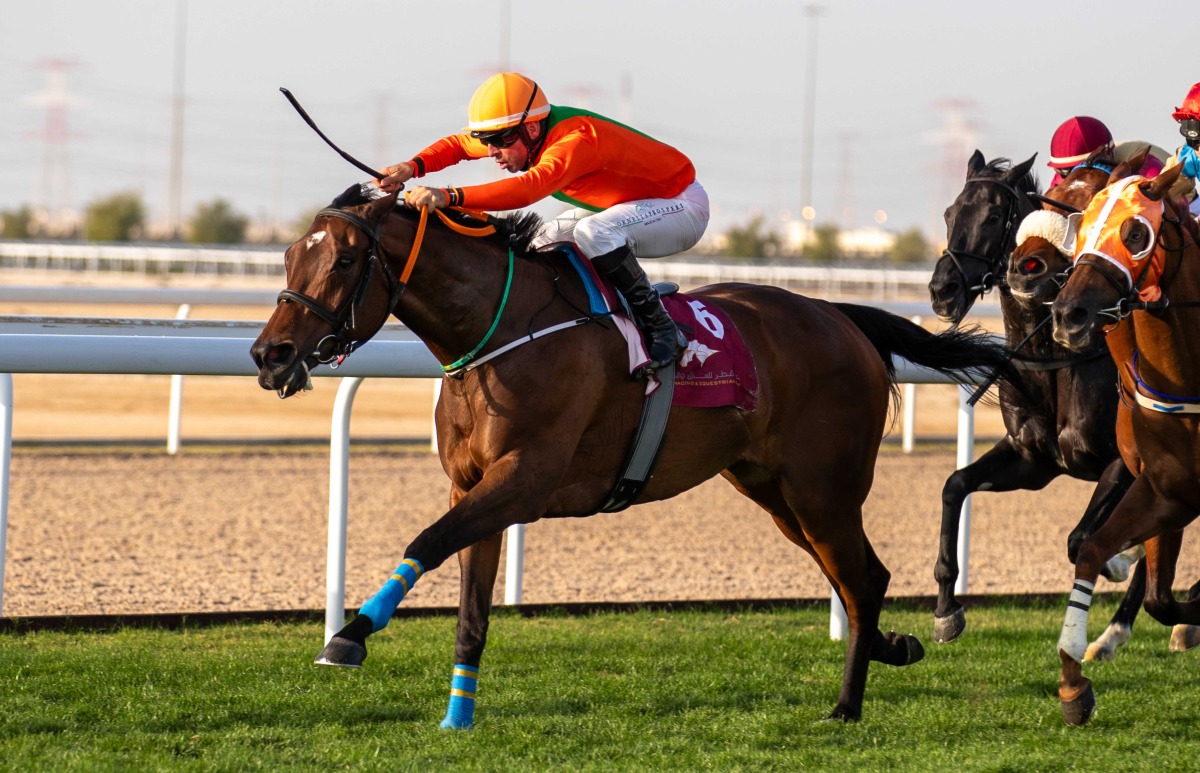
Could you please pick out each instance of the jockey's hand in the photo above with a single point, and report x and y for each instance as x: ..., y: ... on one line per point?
x: 395, y: 176
x: 434, y: 198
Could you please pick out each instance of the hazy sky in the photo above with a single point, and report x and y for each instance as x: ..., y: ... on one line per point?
x: 722, y: 81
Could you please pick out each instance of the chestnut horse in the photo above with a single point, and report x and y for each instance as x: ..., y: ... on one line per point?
x: 542, y: 431
x: 1059, y: 412
x: 1137, y: 249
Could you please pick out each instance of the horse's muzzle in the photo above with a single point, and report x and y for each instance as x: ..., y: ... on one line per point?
x: 280, y: 369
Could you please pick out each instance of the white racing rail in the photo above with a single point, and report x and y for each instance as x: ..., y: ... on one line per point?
x: 182, y: 347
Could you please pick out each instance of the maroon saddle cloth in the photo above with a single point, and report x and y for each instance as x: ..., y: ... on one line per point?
x: 716, y: 369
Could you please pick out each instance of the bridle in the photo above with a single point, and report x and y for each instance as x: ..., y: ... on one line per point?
x: 343, y: 318
x: 991, y: 262
x: 1128, y: 303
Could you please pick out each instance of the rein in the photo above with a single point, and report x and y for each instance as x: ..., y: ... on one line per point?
x: 992, y: 263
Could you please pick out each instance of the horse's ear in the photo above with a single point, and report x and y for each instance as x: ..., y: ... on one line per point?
x: 1138, y: 159
x: 1119, y: 172
x: 1020, y: 170
x: 1158, y: 188
x: 976, y: 164
x: 378, y: 209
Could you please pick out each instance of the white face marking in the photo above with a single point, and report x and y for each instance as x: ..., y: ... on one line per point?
x: 315, y: 239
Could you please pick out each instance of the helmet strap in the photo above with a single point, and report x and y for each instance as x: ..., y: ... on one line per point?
x: 532, y: 146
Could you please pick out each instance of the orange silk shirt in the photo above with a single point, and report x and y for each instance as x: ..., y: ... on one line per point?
x: 587, y: 160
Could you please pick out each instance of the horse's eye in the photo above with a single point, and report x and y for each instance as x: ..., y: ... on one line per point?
x: 1135, y: 235
x: 992, y: 218
x: 345, y: 261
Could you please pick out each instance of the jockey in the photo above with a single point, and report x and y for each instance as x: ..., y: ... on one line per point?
x: 632, y: 195
x: 1079, y: 137
x: 1188, y: 116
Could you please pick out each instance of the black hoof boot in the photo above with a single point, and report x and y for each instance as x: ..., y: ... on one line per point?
x: 348, y: 647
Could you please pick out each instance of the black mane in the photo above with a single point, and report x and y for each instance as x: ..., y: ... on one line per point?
x: 517, y: 229
x: 997, y: 167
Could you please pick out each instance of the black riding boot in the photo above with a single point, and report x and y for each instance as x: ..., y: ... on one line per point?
x: 664, y: 341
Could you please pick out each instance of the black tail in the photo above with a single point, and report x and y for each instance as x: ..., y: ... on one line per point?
x: 967, y: 356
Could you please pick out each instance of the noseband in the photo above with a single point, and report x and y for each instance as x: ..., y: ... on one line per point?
x: 1127, y: 303
x: 992, y: 263
x: 343, y: 318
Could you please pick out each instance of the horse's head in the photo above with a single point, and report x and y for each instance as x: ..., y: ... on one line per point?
x: 339, y: 293
x: 1119, y: 255
x: 1040, y: 262
x: 980, y: 227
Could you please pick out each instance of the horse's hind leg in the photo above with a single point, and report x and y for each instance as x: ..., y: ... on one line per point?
x: 849, y: 563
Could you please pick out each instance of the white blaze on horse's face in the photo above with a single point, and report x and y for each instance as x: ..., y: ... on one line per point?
x: 315, y: 239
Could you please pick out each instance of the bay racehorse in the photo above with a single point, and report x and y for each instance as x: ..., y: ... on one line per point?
x: 1136, y: 281
x: 541, y: 432
x: 1037, y: 270
x: 1060, y: 411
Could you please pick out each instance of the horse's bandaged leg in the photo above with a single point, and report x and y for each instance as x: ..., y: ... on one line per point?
x: 1073, y: 639
x: 460, y: 714
x: 379, y: 608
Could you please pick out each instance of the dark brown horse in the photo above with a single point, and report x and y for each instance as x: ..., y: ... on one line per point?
x: 1060, y: 412
x: 1136, y: 250
x: 542, y: 431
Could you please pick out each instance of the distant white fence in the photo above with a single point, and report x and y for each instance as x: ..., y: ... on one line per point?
x: 880, y: 283
x: 182, y: 347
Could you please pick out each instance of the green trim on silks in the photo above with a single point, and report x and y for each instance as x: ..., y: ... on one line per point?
x: 460, y: 713
x: 380, y: 607
x: 558, y: 113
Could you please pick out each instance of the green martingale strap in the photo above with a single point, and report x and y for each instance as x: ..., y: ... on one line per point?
x: 503, y: 302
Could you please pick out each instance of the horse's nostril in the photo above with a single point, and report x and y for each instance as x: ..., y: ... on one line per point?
x: 1076, y: 318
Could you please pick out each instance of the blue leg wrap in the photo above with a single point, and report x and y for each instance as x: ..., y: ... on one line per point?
x: 379, y: 608
x: 460, y: 714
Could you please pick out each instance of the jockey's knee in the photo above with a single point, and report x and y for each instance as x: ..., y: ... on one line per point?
x: 595, y: 237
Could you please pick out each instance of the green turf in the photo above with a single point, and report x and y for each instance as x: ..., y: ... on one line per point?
x: 680, y: 691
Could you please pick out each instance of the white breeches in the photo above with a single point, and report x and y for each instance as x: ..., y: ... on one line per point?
x: 651, y: 228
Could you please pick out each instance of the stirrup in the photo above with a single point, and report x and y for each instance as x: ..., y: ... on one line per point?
x: 657, y: 364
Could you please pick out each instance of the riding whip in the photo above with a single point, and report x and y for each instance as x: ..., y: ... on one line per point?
x: 374, y: 174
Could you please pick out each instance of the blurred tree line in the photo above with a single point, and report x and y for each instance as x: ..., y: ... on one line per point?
x: 121, y: 217
x: 754, y: 240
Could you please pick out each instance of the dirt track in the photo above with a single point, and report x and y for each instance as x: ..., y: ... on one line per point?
x: 143, y: 532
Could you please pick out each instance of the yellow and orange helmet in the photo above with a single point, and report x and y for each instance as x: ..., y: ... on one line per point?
x: 504, y: 101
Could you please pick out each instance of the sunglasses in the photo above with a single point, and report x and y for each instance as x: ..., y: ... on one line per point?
x: 506, y: 138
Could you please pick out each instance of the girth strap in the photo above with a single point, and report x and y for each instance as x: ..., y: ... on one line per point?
x: 646, y: 444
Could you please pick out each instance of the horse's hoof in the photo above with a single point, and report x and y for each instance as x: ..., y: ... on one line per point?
x: 916, y: 650
x: 1078, y: 711
x: 947, y: 629
x: 842, y: 713
x: 343, y: 652
x: 1106, y: 644
x: 1184, y: 637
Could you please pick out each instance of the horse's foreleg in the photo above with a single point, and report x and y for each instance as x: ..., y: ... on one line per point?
x: 1109, y: 491
x: 1140, y: 516
x: 478, y: 564
x: 1002, y: 468
x: 512, y: 490
x: 1162, y: 553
